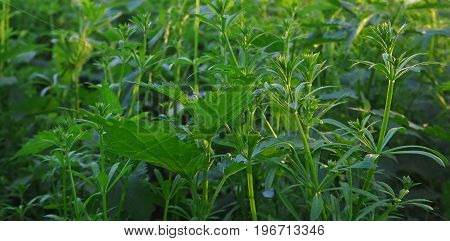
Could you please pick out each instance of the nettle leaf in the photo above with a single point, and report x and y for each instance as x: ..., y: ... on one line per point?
x: 109, y: 98
x: 37, y: 144
x: 156, y: 143
x: 171, y: 90
x: 219, y: 108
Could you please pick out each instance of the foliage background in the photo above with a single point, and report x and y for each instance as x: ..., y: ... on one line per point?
x: 31, y: 78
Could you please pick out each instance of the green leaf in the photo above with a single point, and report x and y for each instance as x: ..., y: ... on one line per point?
x: 424, y: 151
x: 234, y: 168
x: 109, y: 98
x: 287, y: 204
x: 316, y: 207
x: 219, y: 108
x: 366, y: 163
x: 156, y: 143
x: 371, y: 208
x: 37, y: 144
x: 389, y: 135
x: 267, y: 145
x: 171, y: 90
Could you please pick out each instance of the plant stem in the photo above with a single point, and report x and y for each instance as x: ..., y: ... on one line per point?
x: 196, y: 30
x: 268, y: 124
x: 205, y: 179
x: 231, y: 49
x: 135, y: 94
x: 383, y: 131
x: 166, y: 209
x: 350, y: 183
x: 387, y: 110
x: 216, y: 193
x: 103, y: 170
x: 122, y: 73
x: 76, y: 81
x: 72, y: 183
x: 123, y: 195
x: 64, y: 191
x: 308, y: 156
x: 4, y: 29
x: 251, y: 193
x: 384, y: 125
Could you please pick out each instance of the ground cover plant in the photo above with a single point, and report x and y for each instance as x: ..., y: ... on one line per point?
x: 224, y: 110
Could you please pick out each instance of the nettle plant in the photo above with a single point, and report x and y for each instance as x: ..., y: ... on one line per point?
x: 250, y: 128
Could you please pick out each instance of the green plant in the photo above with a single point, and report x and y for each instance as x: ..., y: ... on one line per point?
x: 251, y: 111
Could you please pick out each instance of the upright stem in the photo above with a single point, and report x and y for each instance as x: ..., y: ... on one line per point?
x: 350, y: 183
x: 231, y: 49
x: 205, y: 179
x: 76, y: 81
x: 123, y: 195
x: 166, y: 209
x: 196, y: 30
x: 103, y: 170
x: 122, y: 73
x: 4, y: 29
x: 72, y: 183
x: 135, y: 94
x: 387, y: 110
x: 251, y: 193
x: 216, y: 193
x: 308, y: 156
x: 384, y: 125
x: 64, y: 190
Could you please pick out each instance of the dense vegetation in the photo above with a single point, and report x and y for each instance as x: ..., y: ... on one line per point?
x: 224, y: 110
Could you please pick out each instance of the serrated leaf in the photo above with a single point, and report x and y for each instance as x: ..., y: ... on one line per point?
x: 155, y: 143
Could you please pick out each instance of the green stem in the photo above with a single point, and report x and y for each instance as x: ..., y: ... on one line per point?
x: 387, y: 110
x: 205, y: 179
x: 384, y: 125
x: 123, y: 195
x: 135, y: 94
x: 72, y: 183
x: 122, y: 73
x: 76, y: 81
x: 251, y: 193
x: 231, y: 49
x: 216, y: 193
x: 350, y: 183
x: 64, y: 191
x: 268, y: 124
x: 196, y: 31
x: 103, y: 170
x: 166, y: 209
x: 310, y: 161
